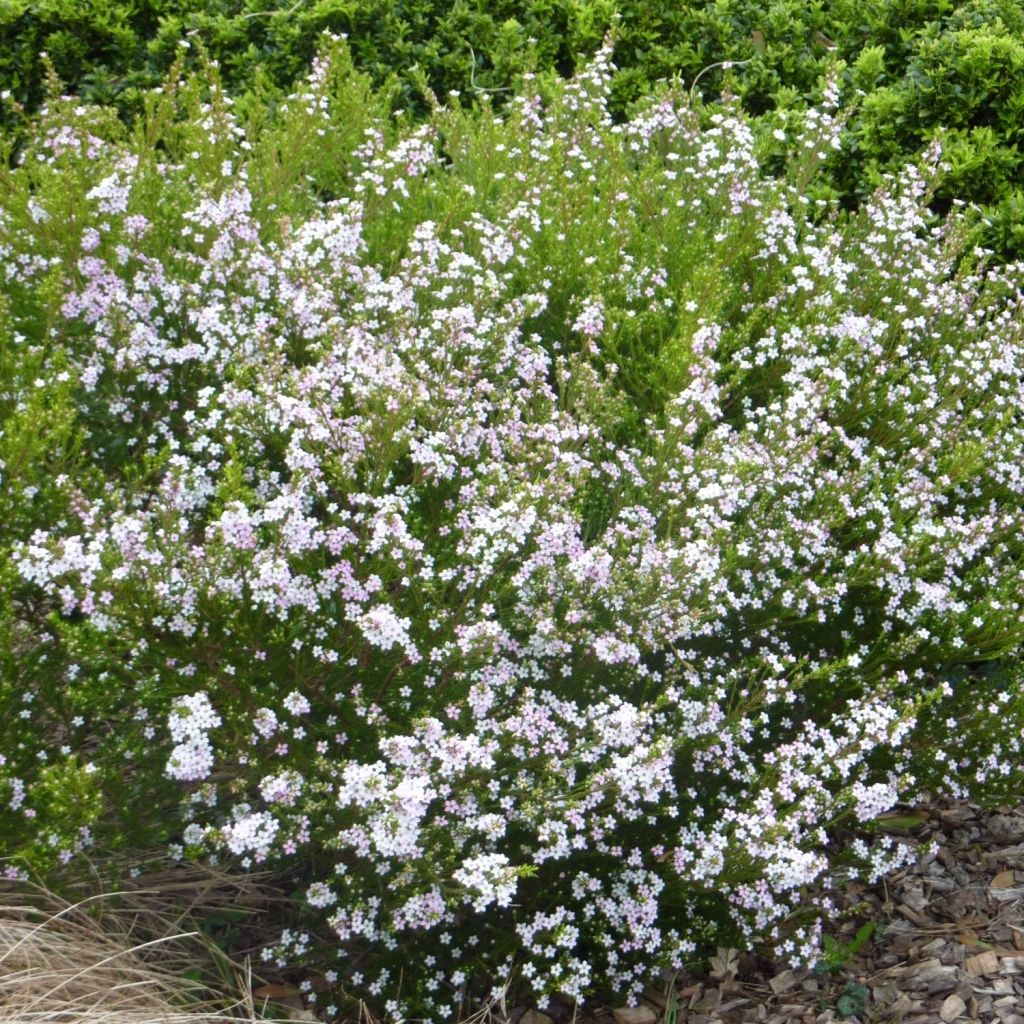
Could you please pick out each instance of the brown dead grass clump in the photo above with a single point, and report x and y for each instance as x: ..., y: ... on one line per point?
x: 61, y: 962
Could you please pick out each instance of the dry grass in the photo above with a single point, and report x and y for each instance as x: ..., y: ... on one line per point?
x: 128, y: 956
x: 82, y: 962
x: 168, y: 896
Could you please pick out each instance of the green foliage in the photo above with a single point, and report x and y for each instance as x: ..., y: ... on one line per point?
x: 965, y: 76
x: 39, y: 440
x: 852, y: 1000
x: 835, y: 956
x: 923, y: 65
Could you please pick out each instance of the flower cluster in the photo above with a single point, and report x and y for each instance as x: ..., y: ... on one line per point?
x: 191, y: 719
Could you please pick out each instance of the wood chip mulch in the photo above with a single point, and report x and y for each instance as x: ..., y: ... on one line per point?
x: 948, y: 945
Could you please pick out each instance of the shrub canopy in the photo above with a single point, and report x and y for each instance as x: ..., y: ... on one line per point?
x: 541, y: 526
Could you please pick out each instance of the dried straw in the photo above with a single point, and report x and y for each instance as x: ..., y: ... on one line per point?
x: 60, y: 963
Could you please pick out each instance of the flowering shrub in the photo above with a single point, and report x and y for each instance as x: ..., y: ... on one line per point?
x: 545, y: 531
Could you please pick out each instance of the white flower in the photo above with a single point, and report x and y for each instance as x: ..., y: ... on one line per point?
x: 251, y: 833
x: 296, y: 703
x: 191, y: 761
x: 491, y: 877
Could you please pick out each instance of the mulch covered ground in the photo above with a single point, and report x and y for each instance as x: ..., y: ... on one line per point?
x: 948, y: 945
